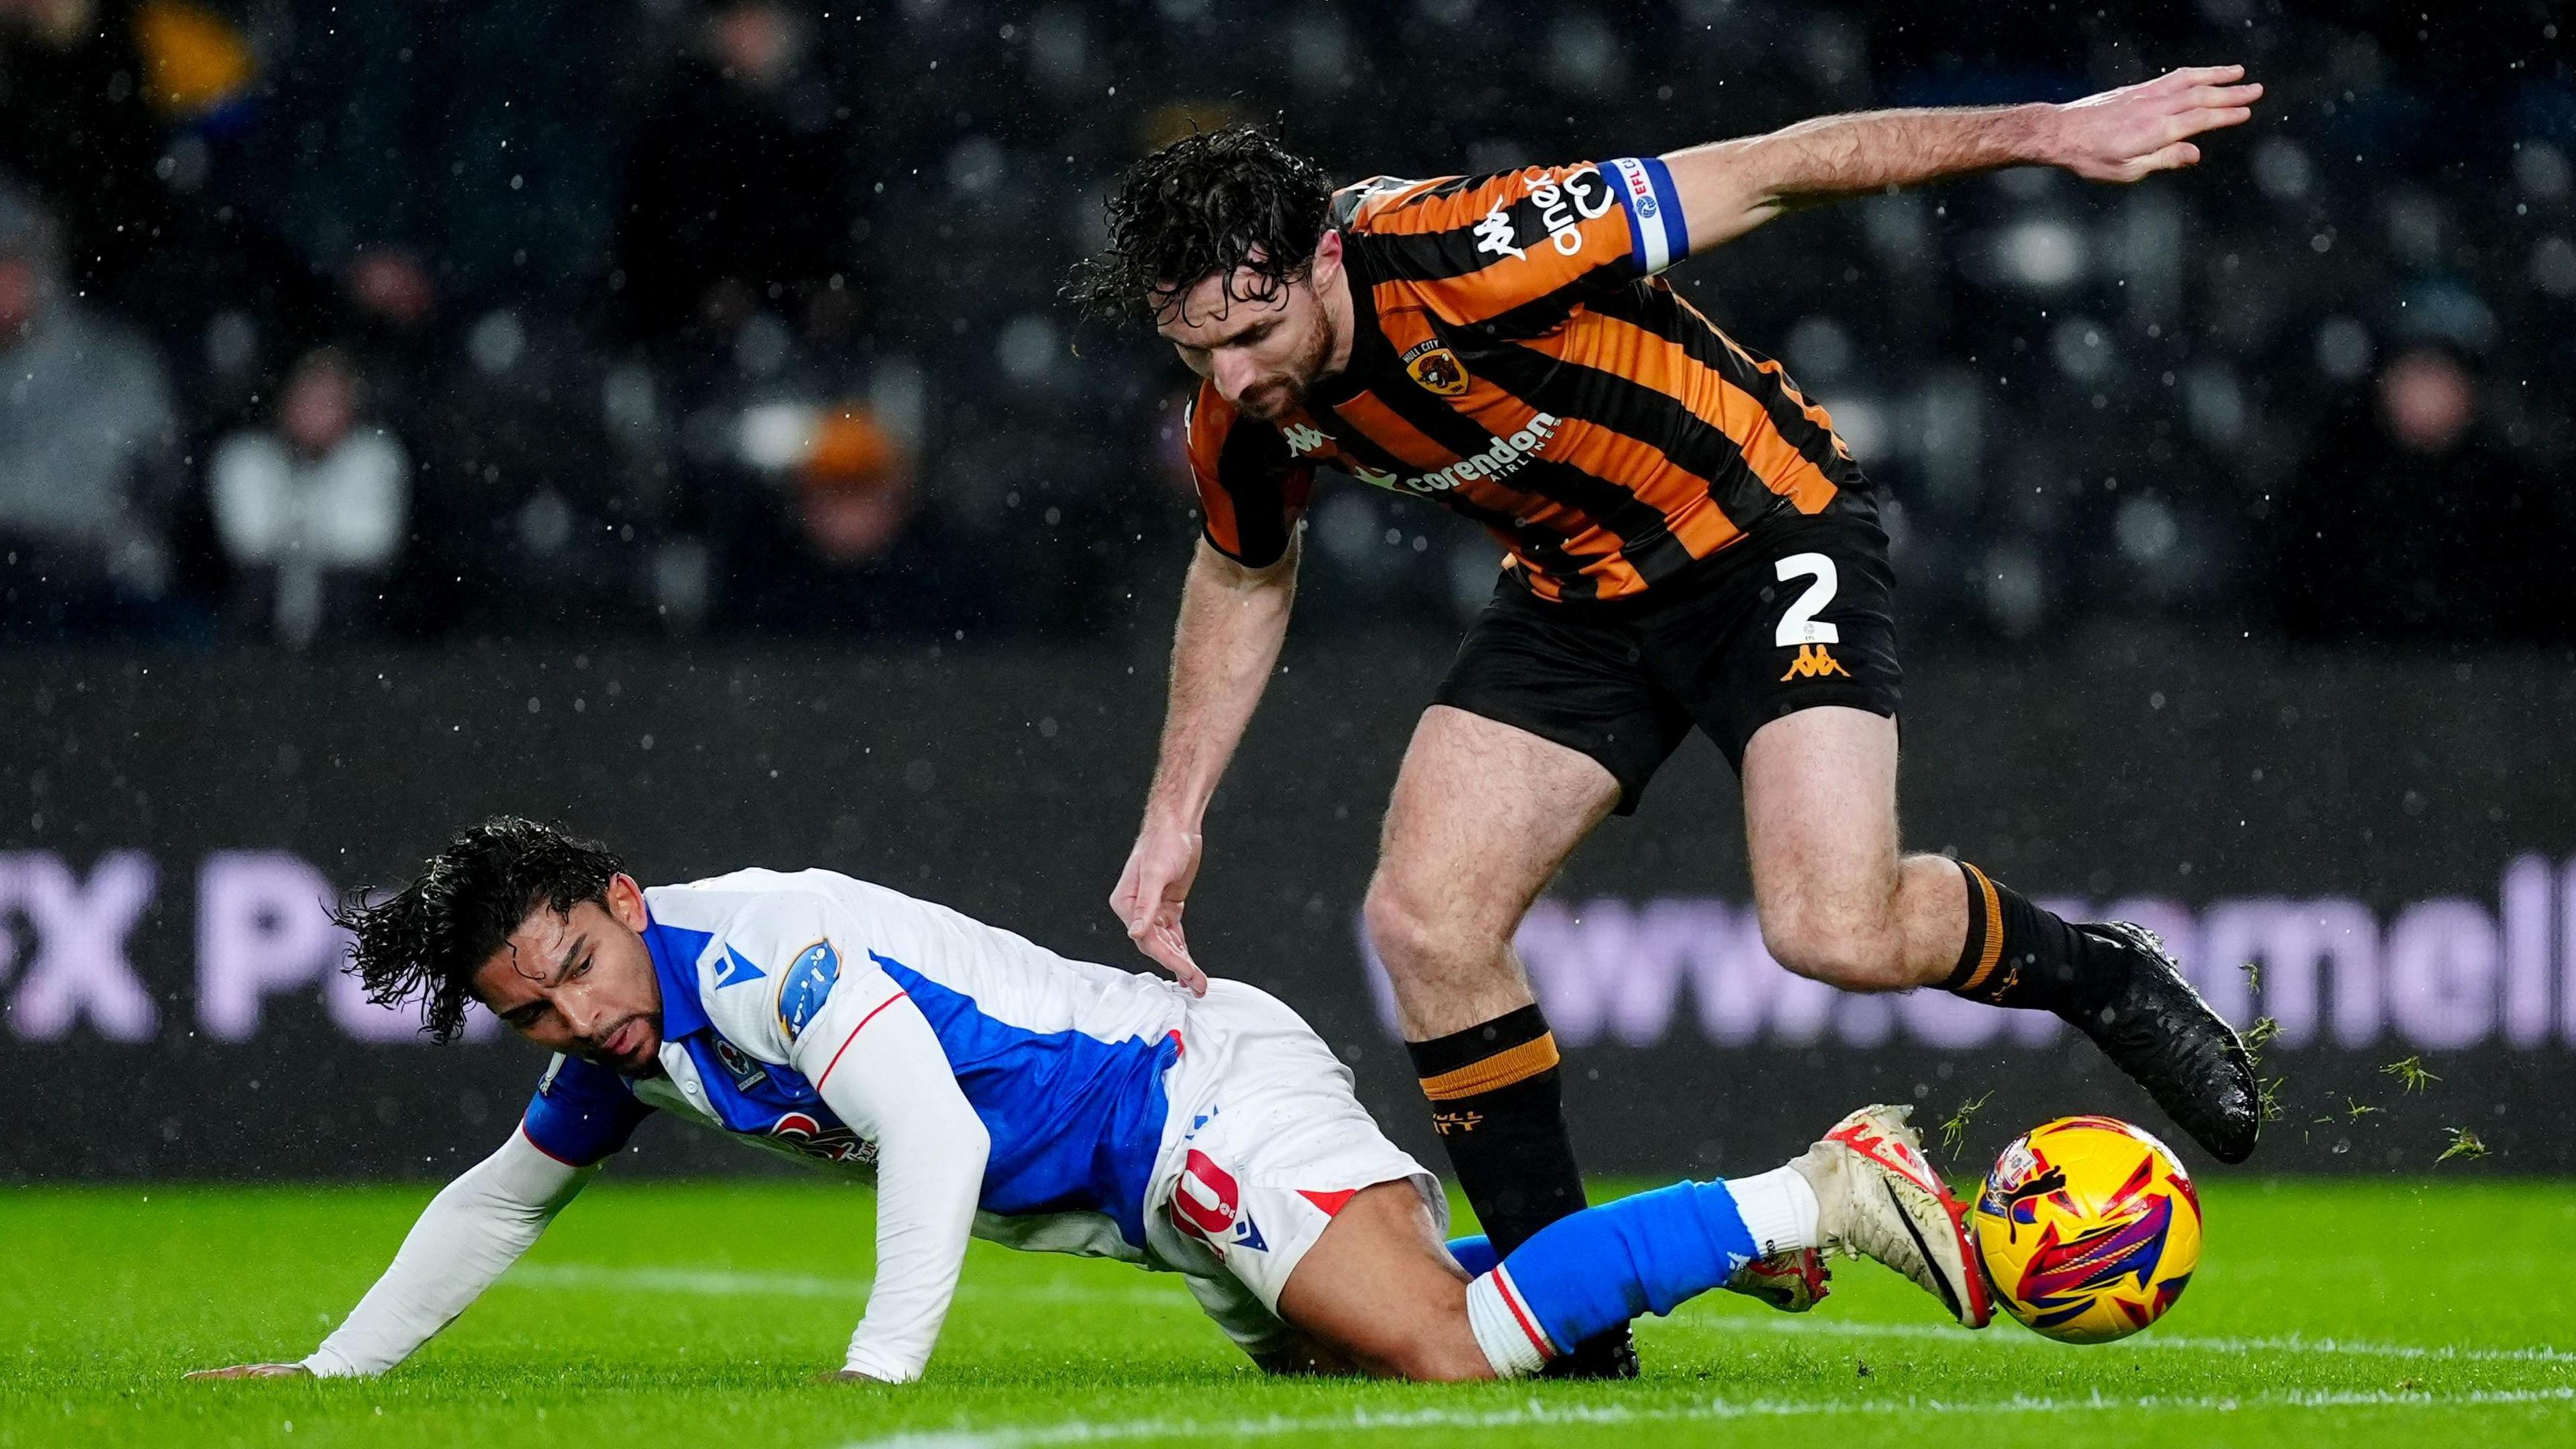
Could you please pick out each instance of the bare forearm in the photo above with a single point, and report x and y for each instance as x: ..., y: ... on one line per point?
x: 1233, y: 620
x: 1730, y: 187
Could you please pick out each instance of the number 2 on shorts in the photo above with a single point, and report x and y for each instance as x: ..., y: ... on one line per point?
x: 1798, y: 625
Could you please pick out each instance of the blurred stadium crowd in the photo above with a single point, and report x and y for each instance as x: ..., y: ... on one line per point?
x: 327, y: 322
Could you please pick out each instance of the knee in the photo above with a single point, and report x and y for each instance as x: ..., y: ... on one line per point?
x: 1855, y: 950
x: 1406, y: 926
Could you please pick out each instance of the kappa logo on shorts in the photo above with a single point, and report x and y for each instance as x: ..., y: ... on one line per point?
x: 1814, y: 661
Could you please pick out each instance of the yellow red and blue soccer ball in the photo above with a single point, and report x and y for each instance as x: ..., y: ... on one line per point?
x: 2088, y: 1229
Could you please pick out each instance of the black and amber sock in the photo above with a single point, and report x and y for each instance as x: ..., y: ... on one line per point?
x: 1499, y: 1103
x: 2020, y: 955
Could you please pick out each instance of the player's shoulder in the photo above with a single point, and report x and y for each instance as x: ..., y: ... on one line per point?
x: 1387, y: 207
x: 1395, y: 205
x: 1207, y: 415
x: 772, y: 946
x: 1222, y: 440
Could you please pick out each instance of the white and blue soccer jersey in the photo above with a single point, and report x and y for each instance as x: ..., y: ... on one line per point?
x: 1062, y: 1060
x: 991, y: 1087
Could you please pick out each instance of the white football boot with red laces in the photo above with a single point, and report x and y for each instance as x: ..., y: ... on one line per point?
x: 1790, y: 1282
x: 1877, y: 1196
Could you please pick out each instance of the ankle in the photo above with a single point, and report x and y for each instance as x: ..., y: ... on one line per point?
x: 1780, y: 1208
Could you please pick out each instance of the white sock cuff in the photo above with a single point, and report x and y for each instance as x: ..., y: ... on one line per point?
x: 1779, y: 1209
x: 1504, y: 1327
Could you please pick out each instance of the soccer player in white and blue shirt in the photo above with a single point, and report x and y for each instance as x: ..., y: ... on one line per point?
x: 995, y: 1089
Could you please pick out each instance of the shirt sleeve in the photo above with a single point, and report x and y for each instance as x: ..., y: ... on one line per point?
x: 583, y: 1113
x: 468, y: 1236
x: 875, y: 1061
x: 1252, y: 489
x: 1476, y: 248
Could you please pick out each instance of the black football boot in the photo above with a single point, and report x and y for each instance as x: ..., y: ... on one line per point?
x: 2161, y: 1033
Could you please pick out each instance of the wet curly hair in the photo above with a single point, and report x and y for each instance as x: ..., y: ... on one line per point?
x: 1204, y: 206
x: 425, y: 941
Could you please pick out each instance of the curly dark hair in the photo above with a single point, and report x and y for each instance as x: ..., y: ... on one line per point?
x: 426, y: 939
x: 1203, y: 206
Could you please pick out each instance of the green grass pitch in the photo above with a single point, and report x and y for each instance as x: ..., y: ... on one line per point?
x: 699, y: 1313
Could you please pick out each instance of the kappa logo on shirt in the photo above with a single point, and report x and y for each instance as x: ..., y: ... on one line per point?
x: 1304, y: 438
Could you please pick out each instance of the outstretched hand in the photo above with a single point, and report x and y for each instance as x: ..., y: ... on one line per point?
x: 2142, y: 129
x: 1151, y: 893
x: 253, y: 1371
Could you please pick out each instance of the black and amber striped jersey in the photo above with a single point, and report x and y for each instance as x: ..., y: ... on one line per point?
x: 1516, y: 357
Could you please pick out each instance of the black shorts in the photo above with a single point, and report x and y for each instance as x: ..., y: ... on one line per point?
x: 1794, y: 617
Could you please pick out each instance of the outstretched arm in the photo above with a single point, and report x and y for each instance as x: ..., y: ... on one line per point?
x: 1728, y: 188
x: 468, y: 1236
x: 877, y: 1064
x: 1233, y: 620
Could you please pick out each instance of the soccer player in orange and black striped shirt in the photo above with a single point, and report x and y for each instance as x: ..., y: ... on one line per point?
x: 1606, y: 431
x: 1689, y: 545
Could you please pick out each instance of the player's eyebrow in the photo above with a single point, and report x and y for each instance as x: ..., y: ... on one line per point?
x: 1242, y: 335
x: 578, y: 948
x: 1259, y: 323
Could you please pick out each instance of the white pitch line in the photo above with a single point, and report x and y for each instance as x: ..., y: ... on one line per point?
x: 2284, y: 1343
x: 726, y: 1283
x: 1538, y: 1413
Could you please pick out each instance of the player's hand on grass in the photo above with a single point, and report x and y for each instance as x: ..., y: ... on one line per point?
x: 2139, y: 130
x: 253, y: 1371
x: 1151, y: 892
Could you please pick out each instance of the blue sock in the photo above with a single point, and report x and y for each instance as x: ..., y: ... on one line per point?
x: 1584, y: 1274
x: 1475, y: 1254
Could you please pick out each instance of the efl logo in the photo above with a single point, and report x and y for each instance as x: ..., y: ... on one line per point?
x: 2439, y: 974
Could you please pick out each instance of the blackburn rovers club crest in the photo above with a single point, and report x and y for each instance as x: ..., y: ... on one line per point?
x: 1437, y: 368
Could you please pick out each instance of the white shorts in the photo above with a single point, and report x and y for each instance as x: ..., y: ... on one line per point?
x: 1272, y: 1142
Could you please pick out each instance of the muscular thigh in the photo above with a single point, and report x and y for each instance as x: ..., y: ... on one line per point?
x: 1484, y: 813
x: 1482, y: 817
x: 1820, y: 814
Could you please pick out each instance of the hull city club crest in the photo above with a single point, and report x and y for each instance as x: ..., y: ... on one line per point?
x: 1436, y: 367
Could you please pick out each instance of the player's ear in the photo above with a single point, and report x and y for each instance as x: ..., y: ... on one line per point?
x: 1328, y: 256
x: 626, y: 902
